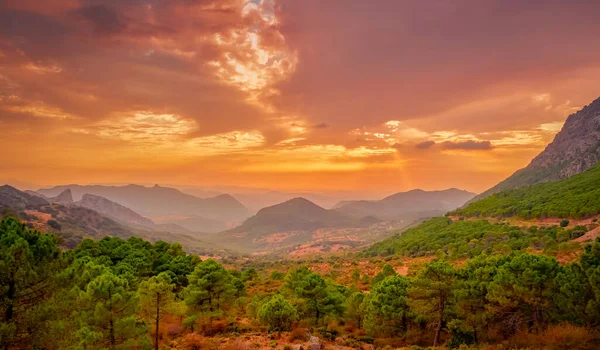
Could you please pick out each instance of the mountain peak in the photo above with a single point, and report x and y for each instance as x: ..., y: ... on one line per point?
x: 574, y: 149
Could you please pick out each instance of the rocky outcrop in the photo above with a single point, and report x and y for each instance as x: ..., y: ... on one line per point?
x: 65, y: 197
x: 315, y: 343
x: 575, y: 148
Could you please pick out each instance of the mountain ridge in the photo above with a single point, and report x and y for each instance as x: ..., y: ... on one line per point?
x: 405, y: 205
x: 575, y: 148
x: 160, y: 201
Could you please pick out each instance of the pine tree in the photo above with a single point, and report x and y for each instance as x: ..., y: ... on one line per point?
x: 278, y: 314
x: 387, y: 307
x: 108, y: 316
x: 320, y: 299
x: 522, y: 290
x: 209, y: 286
x: 431, y: 294
x: 156, y: 300
x: 28, y: 262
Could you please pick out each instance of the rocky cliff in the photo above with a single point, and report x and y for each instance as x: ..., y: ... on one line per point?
x: 575, y: 148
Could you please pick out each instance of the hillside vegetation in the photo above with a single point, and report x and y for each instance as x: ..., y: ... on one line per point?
x: 465, y: 239
x: 132, y: 294
x: 574, y: 197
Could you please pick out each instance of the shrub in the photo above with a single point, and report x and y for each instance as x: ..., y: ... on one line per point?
x: 299, y: 334
x: 54, y: 224
x: 559, y: 337
x: 564, y: 223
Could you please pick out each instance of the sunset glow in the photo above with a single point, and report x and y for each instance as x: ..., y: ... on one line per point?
x: 289, y: 95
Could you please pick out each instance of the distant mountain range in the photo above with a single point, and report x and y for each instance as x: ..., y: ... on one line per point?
x: 160, y: 202
x: 407, y: 205
x: 575, y: 148
x: 14, y: 199
x: 299, y: 221
x: 92, y: 217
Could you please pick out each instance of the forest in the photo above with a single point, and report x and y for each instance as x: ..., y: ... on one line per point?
x: 575, y: 197
x: 444, y: 237
x: 132, y: 294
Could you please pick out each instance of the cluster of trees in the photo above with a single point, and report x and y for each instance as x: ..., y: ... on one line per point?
x: 491, y: 297
x: 575, y: 197
x: 103, y: 294
x: 467, y: 239
x: 117, y: 294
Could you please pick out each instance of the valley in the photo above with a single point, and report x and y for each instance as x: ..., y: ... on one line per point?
x: 299, y: 175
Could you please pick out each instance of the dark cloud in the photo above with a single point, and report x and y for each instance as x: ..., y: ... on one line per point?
x: 425, y: 144
x: 469, y: 145
x: 321, y: 126
x: 381, y: 59
x: 104, y: 19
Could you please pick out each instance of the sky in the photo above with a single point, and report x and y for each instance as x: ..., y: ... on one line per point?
x: 289, y: 95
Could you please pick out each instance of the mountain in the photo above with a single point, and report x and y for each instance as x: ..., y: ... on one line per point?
x: 114, y: 210
x: 407, y: 205
x: 65, y: 197
x: 298, y: 226
x: 14, y: 199
x: 296, y: 214
x: 160, y: 201
x: 195, y: 224
x: 575, y: 148
x: 73, y: 223
x: 257, y: 201
x: 575, y: 197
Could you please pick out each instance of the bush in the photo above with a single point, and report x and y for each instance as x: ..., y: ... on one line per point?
x: 367, y: 339
x: 299, y: 334
x: 277, y: 276
x: 564, y: 223
x: 559, y: 337
x: 54, y: 224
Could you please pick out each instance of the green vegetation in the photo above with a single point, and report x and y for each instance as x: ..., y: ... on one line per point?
x: 466, y: 239
x: 574, y: 197
x: 278, y: 314
x: 131, y: 294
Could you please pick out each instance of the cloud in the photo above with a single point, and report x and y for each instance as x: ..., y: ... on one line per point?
x: 104, y: 19
x: 468, y: 145
x: 253, y: 82
x: 425, y: 145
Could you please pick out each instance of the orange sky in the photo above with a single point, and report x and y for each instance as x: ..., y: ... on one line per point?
x: 289, y: 95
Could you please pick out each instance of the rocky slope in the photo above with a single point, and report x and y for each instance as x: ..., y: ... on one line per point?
x: 14, y: 199
x: 114, y: 210
x: 575, y: 148
x: 158, y: 201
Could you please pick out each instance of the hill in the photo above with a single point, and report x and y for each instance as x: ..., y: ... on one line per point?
x: 296, y: 214
x: 194, y: 223
x: 12, y: 198
x: 299, y: 226
x: 160, y: 201
x: 72, y: 223
x: 114, y: 210
x: 407, y: 205
x: 575, y: 148
x: 575, y: 197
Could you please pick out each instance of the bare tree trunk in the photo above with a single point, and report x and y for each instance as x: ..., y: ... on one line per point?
x: 438, y: 329
x: 157, y: 321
